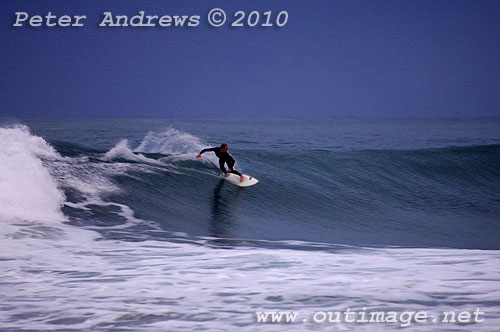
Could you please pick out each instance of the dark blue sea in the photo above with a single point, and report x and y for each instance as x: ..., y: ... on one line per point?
x: 113, y: 225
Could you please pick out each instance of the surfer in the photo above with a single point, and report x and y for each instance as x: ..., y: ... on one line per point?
x: 224, y: 157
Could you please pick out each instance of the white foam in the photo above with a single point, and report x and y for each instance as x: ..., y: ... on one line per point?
x: 171, y: 142
x: 93, y: 181
x: 122, y: 150
x: 176, y: 144
x: 186, y: 286
x: 90, y: 179
x: 27, y: 190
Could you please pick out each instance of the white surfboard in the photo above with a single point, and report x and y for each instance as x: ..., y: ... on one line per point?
x: 235, y: 179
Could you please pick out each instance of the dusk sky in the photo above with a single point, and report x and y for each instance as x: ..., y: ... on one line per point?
x: 332, y: 58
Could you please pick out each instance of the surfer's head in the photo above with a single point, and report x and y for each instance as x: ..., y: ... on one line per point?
x: 223, y: 147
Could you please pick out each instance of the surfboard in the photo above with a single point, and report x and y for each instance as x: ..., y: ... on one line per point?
x: 235, y: 179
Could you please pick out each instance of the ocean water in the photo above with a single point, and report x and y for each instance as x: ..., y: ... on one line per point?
x: 113, y: 225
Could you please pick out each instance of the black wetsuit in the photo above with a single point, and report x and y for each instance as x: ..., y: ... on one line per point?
x: 224, y: 157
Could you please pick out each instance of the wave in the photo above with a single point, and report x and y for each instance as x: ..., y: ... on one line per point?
x: 424, y: 194
x: 69, y: 270
x: 28, y: 192
x: 174, y: 145
x: 317, y: 232
x: 122, y: 151
x: 170, y: 142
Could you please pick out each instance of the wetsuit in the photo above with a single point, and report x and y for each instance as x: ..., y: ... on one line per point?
x: 224, y: 157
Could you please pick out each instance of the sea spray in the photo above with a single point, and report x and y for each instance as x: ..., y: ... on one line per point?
x: 28, y: 192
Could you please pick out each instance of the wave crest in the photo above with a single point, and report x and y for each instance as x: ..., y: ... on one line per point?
x: 28, y: 192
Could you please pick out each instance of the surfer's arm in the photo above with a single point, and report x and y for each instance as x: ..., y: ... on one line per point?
x: 206, y: 150
x: 221, y: 165
x: 230, y: 164
x: 209, y: 149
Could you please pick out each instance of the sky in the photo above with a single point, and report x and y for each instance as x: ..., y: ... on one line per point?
x: 331, y: 58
